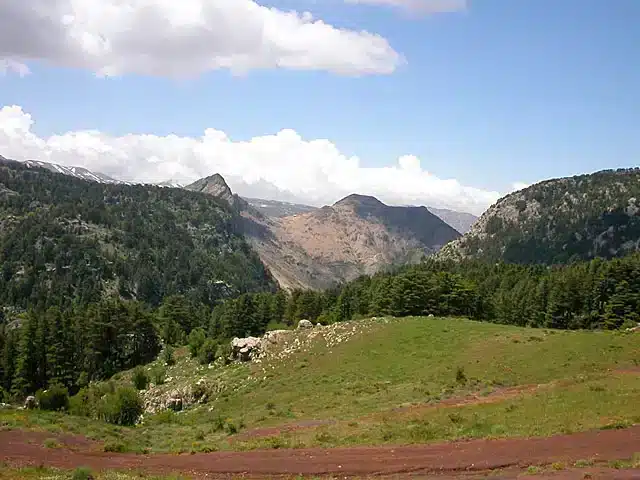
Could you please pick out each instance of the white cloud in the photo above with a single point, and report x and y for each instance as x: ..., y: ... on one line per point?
x: 288, y: 166
x: 183, y: 38
x: 8, y: 65
x: 418, y: 6
x: 520, y: 186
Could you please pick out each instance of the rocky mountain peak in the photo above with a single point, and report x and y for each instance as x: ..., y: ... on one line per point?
x: 216, y: 186
x: 355, y: 200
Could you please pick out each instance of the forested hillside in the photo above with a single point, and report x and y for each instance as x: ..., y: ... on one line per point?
x: 68, y: 241
x: 586, y: 295
x: 559, y: 221
x: 93, y: 276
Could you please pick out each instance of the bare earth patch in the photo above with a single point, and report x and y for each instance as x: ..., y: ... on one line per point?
x: 447, y: 460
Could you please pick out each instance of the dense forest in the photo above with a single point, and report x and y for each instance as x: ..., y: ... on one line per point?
x: 600, y: 294
x: 66, y: 241
x: 75, y: 346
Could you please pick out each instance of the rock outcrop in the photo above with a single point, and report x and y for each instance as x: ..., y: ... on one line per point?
x: 305, y: 324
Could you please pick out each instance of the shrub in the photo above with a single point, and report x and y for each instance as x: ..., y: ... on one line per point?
x: 140, y: 378
x: 55, y: 398
x: 218, y: 423
x: 85, y: 403
x: 82, y: 473
x: 159, y: 374
x: 460, y: 375
x: 51, y: 443
x: 208, y: 351
x: 167, y: 356
x: 123, y: 407
x: 115, y: 447
x: 196, y: 340
x: 224, y: 352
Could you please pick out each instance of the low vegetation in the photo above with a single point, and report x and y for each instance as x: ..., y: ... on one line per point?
x: 376, y: 382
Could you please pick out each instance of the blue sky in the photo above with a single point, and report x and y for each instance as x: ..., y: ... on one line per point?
x: 504, y: 91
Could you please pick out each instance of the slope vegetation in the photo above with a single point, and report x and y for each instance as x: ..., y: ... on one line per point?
x: 558, y: 221
x: 66, y: 239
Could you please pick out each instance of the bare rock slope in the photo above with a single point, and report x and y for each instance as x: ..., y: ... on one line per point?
x: 320, y: 248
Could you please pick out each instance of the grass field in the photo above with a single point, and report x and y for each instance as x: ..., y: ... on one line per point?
x: 380, y: 381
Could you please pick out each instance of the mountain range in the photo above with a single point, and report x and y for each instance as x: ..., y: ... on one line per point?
x: 357, y: 235
x: 556, y: 221
x: 310, y: 247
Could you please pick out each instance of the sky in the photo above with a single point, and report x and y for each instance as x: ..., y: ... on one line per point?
x: 445, y: 103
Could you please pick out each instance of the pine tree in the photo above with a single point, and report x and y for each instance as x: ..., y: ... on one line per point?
x: 25, y: 379
x: 9, y: 359
x: 60, y: 369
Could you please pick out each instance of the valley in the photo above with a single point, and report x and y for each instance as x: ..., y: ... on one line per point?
x: 319, y: 240
x: 373, y: 329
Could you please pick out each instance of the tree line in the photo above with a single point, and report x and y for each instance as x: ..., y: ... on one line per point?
x: 74, y: 346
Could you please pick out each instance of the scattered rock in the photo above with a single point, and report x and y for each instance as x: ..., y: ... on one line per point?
x: 243, y: 348
x: 305, y: 324
x: 30, y: 403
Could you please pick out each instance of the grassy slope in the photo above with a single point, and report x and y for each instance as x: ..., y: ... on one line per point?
x: 372, y: 367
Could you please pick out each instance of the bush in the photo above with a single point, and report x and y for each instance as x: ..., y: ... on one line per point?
x: 167, y: 356
x: 114, y: 447
x: 140, y: 378
x: 224, y: 352
x: 82, y: 403
x: 159, y: 374
x: 123, y: 407
x: 460, y: 376
x: 55, y: 398
x: 85, y: 402
x: 208, y: 351
x: 196, y: 339
x: 82, y: 473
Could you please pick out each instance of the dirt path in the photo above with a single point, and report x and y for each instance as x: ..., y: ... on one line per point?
x: 448, y: 460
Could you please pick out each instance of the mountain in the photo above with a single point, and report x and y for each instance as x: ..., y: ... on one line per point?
x: 170, y: 184
x: 276, y: 208
x: 66, y: 239
x: 461, y: 221
x: 76, y: 172
x: 557, y: 221
x: 322, y: 247
x: 216, y: 186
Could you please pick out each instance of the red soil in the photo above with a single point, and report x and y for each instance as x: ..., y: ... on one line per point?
x: 448, y: 460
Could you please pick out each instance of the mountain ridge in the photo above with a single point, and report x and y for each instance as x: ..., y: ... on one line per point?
x: 559, y: 220
x: 80, y: 239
